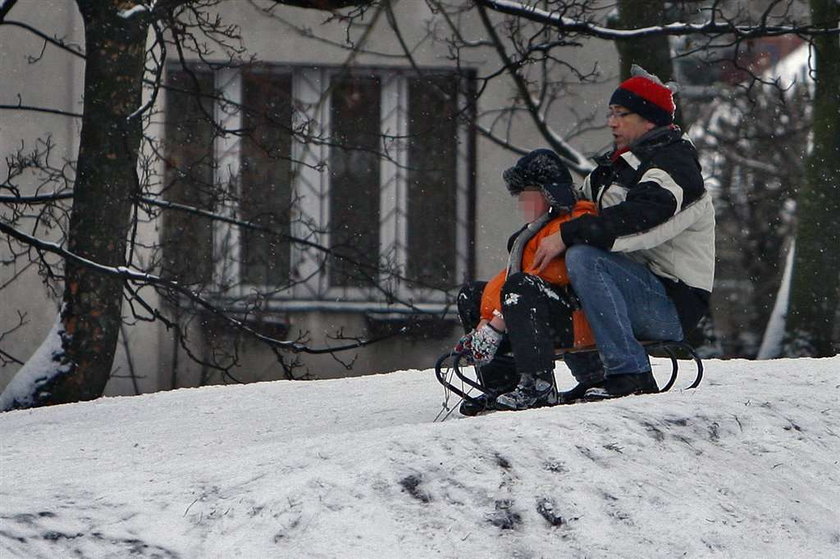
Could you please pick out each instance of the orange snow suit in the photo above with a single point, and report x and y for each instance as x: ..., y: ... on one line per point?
x: 555, y: 274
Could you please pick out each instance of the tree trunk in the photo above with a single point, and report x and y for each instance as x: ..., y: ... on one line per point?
x: 101, y: 213
x: 651, y: 53
x: 816, y: 268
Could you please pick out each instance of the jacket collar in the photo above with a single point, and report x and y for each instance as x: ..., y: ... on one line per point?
x: 655, y: 139
x: 642, y: 147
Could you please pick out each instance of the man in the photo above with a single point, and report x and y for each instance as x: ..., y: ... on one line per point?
x: 643, y: 267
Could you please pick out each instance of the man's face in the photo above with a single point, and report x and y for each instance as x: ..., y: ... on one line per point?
x: 532, y: 203
x: 626, y: 126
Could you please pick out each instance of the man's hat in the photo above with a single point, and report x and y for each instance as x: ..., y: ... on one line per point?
x: 647, y: 96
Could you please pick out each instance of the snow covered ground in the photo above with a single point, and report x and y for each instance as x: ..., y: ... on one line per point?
x: 744, y: 466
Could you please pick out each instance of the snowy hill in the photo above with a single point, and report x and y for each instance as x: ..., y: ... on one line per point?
x: 744, y: 466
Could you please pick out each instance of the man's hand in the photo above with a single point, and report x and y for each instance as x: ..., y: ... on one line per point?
x: 550, y: 248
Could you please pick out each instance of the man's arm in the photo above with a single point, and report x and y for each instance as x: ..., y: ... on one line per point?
x: 647, y: 213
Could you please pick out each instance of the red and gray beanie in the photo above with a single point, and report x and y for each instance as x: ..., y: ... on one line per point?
x: 647, y: 96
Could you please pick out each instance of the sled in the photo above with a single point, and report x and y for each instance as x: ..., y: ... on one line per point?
x: 449, y: 375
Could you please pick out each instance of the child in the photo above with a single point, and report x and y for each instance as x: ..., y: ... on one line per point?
x: 518, y: 293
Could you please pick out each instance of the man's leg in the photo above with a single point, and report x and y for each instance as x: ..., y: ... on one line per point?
x: 624, y: 302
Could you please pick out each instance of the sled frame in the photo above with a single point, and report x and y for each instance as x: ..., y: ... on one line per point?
x: 449, y: 375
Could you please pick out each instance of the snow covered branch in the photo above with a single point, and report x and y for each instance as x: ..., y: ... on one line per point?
x: 709, y: 27
x: 326, y: 5
x: 374, y: 271
x: 575, y: 159
x: 37, y: 199
x: 136, y: 10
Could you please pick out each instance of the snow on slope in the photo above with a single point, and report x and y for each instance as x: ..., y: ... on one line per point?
x: 744, y: 466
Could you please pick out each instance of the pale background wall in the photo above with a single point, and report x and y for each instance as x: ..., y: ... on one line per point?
x: 54, y: 82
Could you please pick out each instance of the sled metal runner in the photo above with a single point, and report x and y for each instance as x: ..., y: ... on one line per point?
x: 449, y: 375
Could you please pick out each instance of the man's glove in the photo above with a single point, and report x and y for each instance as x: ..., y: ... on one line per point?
x: 480, y: 345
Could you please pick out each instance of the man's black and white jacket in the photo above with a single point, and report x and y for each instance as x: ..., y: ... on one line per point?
x: 654, y: 207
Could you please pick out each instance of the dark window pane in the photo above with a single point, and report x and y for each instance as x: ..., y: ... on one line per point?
x: 187, y: 240
x: 354, y: 180
x: 432, y: 180
x: 266, y: 177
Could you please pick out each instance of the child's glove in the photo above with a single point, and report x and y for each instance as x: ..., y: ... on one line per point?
x: 480, y: 345
x: 464, y: 345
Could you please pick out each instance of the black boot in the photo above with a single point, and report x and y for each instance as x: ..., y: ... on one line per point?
x: 578, y: 392
x: 477, y: 405
x: 616, y: 386
x: 497, y: 377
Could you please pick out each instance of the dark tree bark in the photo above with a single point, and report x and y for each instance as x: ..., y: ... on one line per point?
x: 651, y: 53
x: 813, y: 303
x: 103, y: 194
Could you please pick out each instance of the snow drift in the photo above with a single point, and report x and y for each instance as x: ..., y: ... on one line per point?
x: 744, y: 466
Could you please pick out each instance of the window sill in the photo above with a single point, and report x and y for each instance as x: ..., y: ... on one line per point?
x: 424, y: 321
x: 381, y: 311
x: 432, y: 327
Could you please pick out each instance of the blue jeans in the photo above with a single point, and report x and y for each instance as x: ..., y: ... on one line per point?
x: 624, y: 302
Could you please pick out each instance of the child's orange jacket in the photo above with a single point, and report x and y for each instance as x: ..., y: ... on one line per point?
x: 555, y: 274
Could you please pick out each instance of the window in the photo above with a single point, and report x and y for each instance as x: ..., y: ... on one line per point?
x: 350, y: 178
x: 266, y: 175
x: 354, y: 180
x: 189, y: 177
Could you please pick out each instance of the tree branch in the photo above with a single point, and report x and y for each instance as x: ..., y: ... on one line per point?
x: 575, y: 159
x: 323, y: 5
x: 164, y: 204
x: 51, y: 40
x: 21, y: 107
x: 710, y: 27
x: 125, y: 273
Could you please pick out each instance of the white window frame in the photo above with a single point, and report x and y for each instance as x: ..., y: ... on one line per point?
x: 310, y: 189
